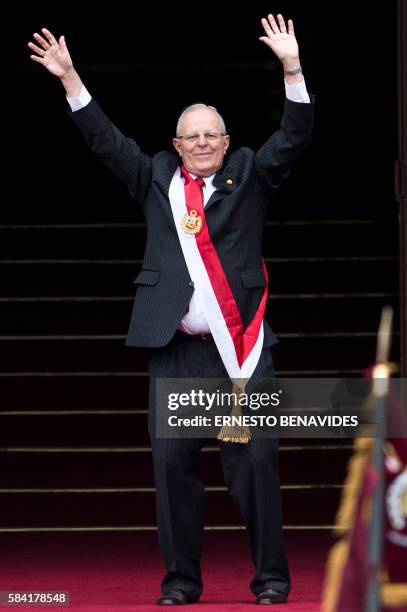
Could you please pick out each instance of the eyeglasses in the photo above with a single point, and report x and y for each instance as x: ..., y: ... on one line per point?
x: 211, y: 136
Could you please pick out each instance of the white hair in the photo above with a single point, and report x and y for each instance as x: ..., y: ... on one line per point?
x: 192, y: 107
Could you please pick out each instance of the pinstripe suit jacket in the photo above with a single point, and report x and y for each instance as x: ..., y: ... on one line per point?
x: 235, y: 215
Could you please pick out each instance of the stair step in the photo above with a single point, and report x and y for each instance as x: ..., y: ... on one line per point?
x: 31, y: 470
x: 101, y: 316
x: 318, y: 506
x: 53, y: 277
x: 297, y: 238
x: 67, y: 393
x: 77, y: 430
x: 94, y: 390
x: 74, y: 355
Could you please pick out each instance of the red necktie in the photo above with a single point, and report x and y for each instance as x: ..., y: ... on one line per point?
x: 193, y: 192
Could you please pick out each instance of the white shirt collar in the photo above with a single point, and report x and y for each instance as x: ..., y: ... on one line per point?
x: 208, y: 180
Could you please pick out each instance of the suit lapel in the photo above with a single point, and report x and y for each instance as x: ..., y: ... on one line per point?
x: 164, y: 177
x: 224, y: 183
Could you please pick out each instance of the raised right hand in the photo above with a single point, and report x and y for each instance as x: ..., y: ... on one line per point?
x: 51, y: 54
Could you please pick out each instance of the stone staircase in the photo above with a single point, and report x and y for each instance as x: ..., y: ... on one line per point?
x: 74, y: 450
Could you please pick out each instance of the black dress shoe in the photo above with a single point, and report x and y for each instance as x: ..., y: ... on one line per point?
x: 176, y: 597
x: 270, y: 596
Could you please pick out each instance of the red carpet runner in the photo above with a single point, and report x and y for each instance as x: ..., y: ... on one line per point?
x: 122, y: 571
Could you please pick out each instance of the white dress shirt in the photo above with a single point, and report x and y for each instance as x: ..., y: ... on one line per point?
x: 194, y: 321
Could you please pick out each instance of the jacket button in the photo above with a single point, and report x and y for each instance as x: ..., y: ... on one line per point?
x: 191, y: 284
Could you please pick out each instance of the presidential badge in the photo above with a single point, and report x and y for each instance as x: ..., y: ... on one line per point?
x: 191, y: 223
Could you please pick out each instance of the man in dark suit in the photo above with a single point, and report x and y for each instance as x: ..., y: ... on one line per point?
x: 201, y: 295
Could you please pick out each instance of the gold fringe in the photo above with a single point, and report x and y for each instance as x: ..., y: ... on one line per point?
x: 234, y: 433
x: 231, y: 433
x: 356, y: 470
x: 394, y: 595
x: 335, y: 564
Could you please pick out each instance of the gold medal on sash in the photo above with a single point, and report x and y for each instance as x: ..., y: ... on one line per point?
x: 191, y: 223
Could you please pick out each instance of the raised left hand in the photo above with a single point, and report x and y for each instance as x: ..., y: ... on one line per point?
x: 281, y: 40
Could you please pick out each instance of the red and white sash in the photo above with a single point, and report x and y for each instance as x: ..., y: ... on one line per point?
x: 239, y: 349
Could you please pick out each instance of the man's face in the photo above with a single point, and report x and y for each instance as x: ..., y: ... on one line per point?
x: 202, y: 146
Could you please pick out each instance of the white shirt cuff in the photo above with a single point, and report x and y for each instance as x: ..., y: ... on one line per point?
x: 297, y: 92
x: 80, y: 101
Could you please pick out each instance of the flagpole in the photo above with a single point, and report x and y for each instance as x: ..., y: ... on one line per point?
x: 381, y: 375
x: 375, y: 543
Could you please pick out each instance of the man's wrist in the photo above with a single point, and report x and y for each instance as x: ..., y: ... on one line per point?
x: 72, y: 83
x: 292, y: 69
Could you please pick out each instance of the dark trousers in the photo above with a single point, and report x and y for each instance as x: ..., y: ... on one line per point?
x: 251, y: 473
